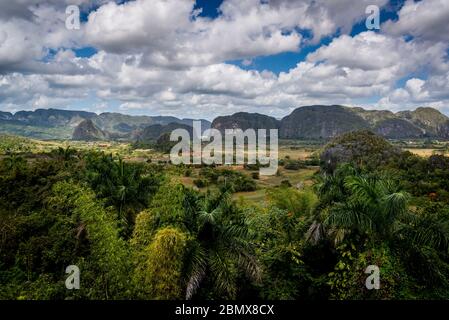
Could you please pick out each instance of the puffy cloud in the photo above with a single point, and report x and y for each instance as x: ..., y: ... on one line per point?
x: 26, y: 40
x: 171, y: 34
x: 365, y: 65
x: 15, y: 44
x: 25, y: 9
x: 433, y: 92
x: 168, y: 33
x: 426, y: 20
x: 373, y: 51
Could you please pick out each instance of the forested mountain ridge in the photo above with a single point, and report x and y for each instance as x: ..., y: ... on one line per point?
x: 61, y: 124
x: 244, y: 120
x: 306, y: 122
x: 320, y: 122
x: 324, y: 122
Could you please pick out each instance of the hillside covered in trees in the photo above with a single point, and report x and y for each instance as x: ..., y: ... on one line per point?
x: 305, y: 122
x: 137, y: 232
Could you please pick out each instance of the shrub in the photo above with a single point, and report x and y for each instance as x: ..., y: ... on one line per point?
x: 162, y: 272
x: 188, y: 172
x: 200, y: 183
x: 285, y: 184
x: 294, y: 165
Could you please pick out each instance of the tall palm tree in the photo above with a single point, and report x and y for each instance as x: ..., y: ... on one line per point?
x: 15, y: 163
x: 123, y: 185
x: 369, y: 205
x: 379, y: 208
x: 221, y: 248
x: 375, y: 207
x: 65, y: 154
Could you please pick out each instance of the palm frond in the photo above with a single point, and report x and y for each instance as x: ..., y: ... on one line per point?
x: 224, y: 275
x: 197, y: 272
x: 315, y: 233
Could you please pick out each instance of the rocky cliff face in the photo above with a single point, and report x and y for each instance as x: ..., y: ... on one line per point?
x: 443, y: 131
x: 88, y: 131
x: 118, y: 123
x: 373, y: 116
x: 398, y: 129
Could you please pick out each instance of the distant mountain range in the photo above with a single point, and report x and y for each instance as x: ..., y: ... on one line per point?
x: 324, y: 122
x: 81, y: 125
x: 307, y: 122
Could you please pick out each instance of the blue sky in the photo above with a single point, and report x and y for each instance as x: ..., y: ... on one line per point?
x: 156, y: 57
x: 210, y: 8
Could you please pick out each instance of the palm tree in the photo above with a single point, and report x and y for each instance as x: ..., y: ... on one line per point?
x: 375, y: 208
x: 15, y: 163
x: 65, y: 154
x: 129, y: 188
x: 331, y: 187
x: 123, y: 185
x: 372, y: 206
x: 221, y: 248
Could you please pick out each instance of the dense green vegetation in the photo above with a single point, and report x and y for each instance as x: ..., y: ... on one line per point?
x: 136, y: 232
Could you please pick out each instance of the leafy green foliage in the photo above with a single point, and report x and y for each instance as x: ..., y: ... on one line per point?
x: 233, y: 179
x: 362, y: 148
x: 105, y: 270
x: 136, y: 233
x: 294, y: 165
x: 158, y: 272
x: 372, y: 211
x: 128, y: 187
x: 12, y: 144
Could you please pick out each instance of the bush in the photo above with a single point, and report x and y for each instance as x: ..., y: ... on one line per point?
x: 285, y: 184
x: 294, y: 165
x: 236, y: 180
x: 313, y: 160
x: 200, y: 183
x: 162, y: 270
x: 188, y: 172
x: 245, y: 184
